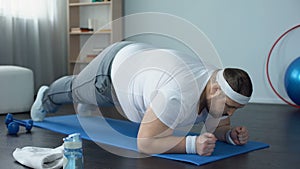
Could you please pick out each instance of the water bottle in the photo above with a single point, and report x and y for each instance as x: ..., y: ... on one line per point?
x: 73, y: 155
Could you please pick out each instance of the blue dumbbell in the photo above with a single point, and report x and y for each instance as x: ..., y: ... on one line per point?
x: 13, y: 124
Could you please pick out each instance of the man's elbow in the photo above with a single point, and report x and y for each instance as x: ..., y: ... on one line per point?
x: 145, y: 146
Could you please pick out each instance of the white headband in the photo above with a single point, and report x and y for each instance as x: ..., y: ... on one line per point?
x: 241, y: 99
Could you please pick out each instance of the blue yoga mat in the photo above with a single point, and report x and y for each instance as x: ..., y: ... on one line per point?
x: 123, y: 134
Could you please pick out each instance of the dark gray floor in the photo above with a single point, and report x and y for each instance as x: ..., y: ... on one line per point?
x: 277, y: 125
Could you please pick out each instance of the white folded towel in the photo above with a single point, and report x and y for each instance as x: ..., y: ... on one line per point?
x: 40, y: 158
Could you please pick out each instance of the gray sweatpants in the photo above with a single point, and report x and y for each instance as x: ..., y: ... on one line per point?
x: 91, y: 86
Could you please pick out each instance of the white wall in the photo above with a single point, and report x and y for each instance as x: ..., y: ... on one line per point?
x: 242, y: 31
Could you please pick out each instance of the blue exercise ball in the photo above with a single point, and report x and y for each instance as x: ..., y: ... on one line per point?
x: 292, y: 81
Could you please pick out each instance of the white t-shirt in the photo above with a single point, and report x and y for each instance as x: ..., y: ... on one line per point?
x: 168, y: 81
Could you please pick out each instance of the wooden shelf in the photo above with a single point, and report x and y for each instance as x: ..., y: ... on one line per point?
x: 102, y: 14
x: 91, y: 32
x: 78, y: 62
x: 89, y: 3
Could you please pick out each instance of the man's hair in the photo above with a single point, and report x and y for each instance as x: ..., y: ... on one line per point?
x: 239, y: 81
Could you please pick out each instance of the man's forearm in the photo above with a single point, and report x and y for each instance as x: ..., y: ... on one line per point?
x: 221, y: 131
x: 168, y: 144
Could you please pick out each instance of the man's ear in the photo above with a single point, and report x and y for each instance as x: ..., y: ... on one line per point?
x: 214, y: 90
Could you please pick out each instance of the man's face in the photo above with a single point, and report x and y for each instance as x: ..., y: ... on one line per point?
x: 230, y: 107
x: 221, y: 105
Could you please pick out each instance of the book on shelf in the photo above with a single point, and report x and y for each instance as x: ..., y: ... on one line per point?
x: 79, y: 30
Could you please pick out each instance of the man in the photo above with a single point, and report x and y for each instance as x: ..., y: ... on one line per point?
x: 164, y: 90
